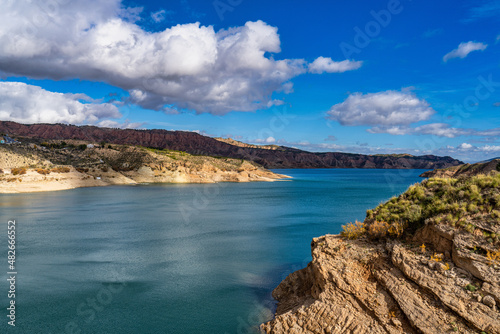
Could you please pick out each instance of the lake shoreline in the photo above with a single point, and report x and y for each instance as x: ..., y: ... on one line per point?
x: 32, y: 181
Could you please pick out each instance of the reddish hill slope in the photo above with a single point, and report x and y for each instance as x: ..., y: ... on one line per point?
x: 194, y: 143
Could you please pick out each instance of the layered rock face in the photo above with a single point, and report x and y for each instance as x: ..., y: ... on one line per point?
x: 439, y: 275
x: 193, y: 143
x: 365, y: 287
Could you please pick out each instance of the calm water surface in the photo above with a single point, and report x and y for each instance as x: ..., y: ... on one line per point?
x: 174, y: 258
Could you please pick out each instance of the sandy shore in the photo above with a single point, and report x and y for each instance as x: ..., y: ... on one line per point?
x: 32, y: 181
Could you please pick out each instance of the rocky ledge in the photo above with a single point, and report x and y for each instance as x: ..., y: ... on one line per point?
x: 432, y: 277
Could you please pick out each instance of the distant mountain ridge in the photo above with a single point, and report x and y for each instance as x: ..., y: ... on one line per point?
x: 465, y: 169
x: 197, y: 144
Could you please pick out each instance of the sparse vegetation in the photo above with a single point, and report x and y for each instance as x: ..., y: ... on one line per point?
x: 470, y: 287
x: 456, y: 202
x: 493, y: 257
x: 43, y: 171
x: 61, y: 169
x: 18, y: 171
x: 353, y: 231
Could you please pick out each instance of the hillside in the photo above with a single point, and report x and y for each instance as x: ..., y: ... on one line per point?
x: 427, y: 261
x: 465, y: 169
x: 34, y: 165
x: 196, y: 144
x: 233, y: 142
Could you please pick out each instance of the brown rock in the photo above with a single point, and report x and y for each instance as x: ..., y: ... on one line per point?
x: 367, y: 287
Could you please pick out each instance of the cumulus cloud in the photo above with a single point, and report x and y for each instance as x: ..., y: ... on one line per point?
x: 187, y: 66
x: 464, y: 146
x: 471, y: 148
x: 388, y: 109
x: 322, y: 64
x: 464, y: 49
x: 24, y: 103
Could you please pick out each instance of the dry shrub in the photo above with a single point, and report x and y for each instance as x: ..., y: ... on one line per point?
x: 378, y: 230
x: 18, y: 171
x: 396, y: 229
x: 493, y: 257
x: 1, y: 171
x: 42, y: 171
x: 353, y: 231
x: 82, y: 170
x: 60, y: 169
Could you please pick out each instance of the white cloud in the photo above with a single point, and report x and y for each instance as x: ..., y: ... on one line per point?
x: 388, y: 109
x: 115, y: 124
x: 436, y: 129
x: 322, y: 64
x: 187, y: 66
x: 268, y: 140
x: 24, y: 103
x: 465, y: 146
x: 464, y: 49
x: 490, y: 148
x: 392, y: 130
x: 440, y: 130
x: 158, y: 16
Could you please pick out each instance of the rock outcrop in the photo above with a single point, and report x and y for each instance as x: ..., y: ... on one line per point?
x: 442, y: 278
x: 196, y: 144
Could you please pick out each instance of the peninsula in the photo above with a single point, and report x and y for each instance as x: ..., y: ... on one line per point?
x: 427, y: 261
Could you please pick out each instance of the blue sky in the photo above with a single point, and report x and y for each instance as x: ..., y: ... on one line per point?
x: 418, y: 77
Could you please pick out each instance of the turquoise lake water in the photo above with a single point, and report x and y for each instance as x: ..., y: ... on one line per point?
x: 174, y: 258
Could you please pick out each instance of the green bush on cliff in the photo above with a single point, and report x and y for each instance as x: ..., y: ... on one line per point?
x: 442, y: 201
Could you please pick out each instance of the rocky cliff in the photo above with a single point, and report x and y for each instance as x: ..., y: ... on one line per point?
x: 427, y: 261
x: 193, y: 143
